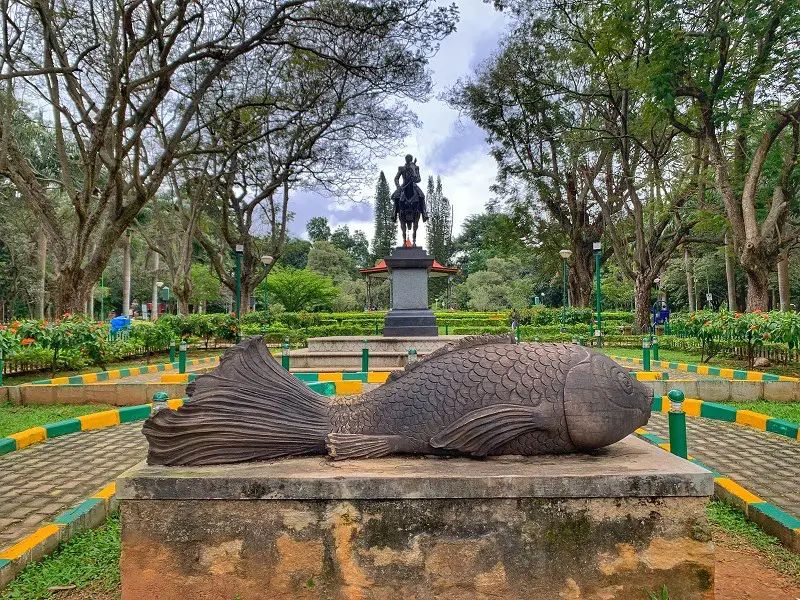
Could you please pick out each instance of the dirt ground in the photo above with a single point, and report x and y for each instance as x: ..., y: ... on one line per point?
x: 744, y: 573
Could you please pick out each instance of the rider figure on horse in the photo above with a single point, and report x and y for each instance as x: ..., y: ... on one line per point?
x: 409, y: 201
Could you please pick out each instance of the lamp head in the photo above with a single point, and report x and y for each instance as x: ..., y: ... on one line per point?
x: 565, y: 253
x: 266, y: 260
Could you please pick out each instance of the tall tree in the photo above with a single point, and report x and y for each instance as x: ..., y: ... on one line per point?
x: 383, y: 240
x: 106, y: 70
x: 318, y: 229
x: 439, y: 226
x: 726, y: 72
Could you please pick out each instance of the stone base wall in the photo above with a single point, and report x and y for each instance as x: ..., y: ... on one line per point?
x: 421, y: 548
x: 115, y: 394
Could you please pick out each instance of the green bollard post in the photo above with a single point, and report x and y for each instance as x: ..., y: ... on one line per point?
x: 285, y: 354
x: 364, y: 356
x: 677, y: 424
x: 376, y: 328
x: 412, y: 355
x: 646, y: 354
x: 655, y: 348
x: 447, y: 329
x: 159, y: 402
x: 1, y: 367
x: 172, y: 351
x: 182, y: 357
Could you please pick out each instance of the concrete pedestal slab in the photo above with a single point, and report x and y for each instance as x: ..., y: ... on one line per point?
x: 608, y: 524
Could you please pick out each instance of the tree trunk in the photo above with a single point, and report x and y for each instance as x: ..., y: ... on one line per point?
x: 757, y: 289
x: 72, y: 292
x: 580, y: 280
x: 730, y: 274
x: 783, y: 280
x: 642, y: 293
x: 689, y: 266
x: 183, y: 303
x: 42, y: 239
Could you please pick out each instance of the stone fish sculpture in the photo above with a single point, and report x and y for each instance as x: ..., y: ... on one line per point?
x: 484, y: 395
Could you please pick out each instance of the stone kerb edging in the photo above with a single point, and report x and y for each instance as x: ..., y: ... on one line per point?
x: 769, y: 517
x: 98, y: 420
x: 114, y: 374
x: 733, y: 374
x: 87, y: 515
x: 729, y: 414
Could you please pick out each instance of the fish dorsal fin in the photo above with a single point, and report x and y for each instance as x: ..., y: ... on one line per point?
x: 469, y: 341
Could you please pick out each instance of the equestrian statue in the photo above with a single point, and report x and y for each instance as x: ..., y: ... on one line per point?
x: 409, y: 201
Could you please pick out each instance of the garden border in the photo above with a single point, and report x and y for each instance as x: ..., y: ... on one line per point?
x: 731, y: 374
x: 88, y: 378
x: 89, y: 514
x: 769, y: 517
x: 694, y: 407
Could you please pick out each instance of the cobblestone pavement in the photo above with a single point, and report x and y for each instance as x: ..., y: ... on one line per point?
x: 40, y: 482
x: 766, y: 464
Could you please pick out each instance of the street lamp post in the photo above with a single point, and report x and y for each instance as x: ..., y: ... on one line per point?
x: 565, y: 254
x: 266, y: 260
x: 237, y: 255
x: 597, y: 247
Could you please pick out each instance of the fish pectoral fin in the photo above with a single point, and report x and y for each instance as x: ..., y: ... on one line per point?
x: 342, y: 446
x: 481, y: 431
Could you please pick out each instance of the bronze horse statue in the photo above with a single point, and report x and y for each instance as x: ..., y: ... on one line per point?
x: 409, y: 201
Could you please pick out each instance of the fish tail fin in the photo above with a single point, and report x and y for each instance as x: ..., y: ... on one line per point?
x: 248, y: 408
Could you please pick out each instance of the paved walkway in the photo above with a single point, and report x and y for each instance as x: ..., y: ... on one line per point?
x: 40, y: 482
x: 768, y: 465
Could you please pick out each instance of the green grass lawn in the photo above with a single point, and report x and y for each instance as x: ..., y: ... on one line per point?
x: 687, y: 357
x: 163, y: 357
x: 90, y: 560
x: 16, y: 418
x: 779, y: 410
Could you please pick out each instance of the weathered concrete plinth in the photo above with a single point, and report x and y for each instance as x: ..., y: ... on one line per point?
x: 410, y: 316
x: 607, y: 525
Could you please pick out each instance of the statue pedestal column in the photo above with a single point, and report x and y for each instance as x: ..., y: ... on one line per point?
x: 410, y: 315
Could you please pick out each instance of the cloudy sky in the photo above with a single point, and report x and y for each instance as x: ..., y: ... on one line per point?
x: 446, y: 144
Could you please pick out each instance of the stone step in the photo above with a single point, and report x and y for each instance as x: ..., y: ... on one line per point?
x: 378, y: 344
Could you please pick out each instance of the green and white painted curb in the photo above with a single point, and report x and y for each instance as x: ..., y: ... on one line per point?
x: 122, y: 373
x: 87, y: 515
x: 734, y: 374
x: 769, y: 517
x: 730, y: 414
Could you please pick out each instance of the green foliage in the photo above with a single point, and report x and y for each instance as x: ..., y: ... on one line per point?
x: 318, y: 229
x: 383, y: 240
x: 748, y: 329
x: 88, y: 560
x: 68, y: 334
x: 295, y: 253
x: 330, y: 261
x: 206, y: 286
x: 439, y: 226
x: 301, y: 290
